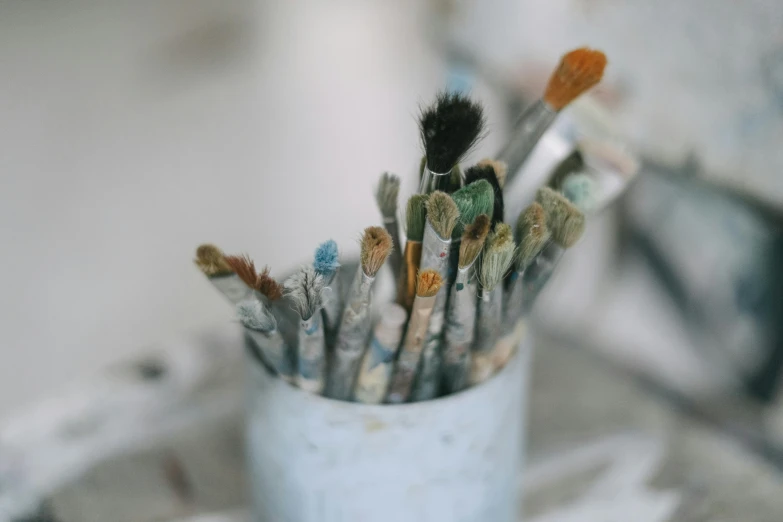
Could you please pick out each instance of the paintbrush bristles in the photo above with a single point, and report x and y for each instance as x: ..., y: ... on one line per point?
x: 428, y: 283
x: 532, y: 234
x: 268, y: 287
x: 497, y: 258
x: 254, y: 315
x: 442, y: 213
x: 499, y: 168
x: 473, y: 240
x: 566, y: 222
x: 327, y: 259
x: 415, y: 216
x: 211, y: 261
x: 577, y: 71
x: 387, y: 193
x: 472, y: 200
x: 449, y: 128
x: 244, y: 268
x: 304, y: 289
x: 376, y: 245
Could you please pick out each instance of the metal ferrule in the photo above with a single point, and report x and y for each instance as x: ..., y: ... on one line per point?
x: 351, y: 338
x: 538, y: 273
x: 311, y: 362
x: 528, y: 131
x: 432, y: 181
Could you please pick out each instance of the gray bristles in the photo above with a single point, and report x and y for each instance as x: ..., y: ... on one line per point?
x: 304, y: 289
x: 387, y: 193
x: 254, y: 315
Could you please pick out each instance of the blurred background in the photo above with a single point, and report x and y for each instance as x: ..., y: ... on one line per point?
x: 133, y: 131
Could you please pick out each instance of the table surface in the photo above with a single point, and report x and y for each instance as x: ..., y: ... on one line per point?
x: 161, y: 440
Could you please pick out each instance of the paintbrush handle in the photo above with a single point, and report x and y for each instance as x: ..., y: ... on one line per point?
x: 395, y: 256
x: 311, y: 360
x: 405, y: 370
x: 274, y: 351
x: 527, y: 132
x: 351, y: 338
x: 460, y: 332
x: 488, y: 318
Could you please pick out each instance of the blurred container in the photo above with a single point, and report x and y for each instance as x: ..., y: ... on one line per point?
x: 456, y: 458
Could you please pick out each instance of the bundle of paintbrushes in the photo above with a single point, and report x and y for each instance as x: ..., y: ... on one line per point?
x: 465, y: 279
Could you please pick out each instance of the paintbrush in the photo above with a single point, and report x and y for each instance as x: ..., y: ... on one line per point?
x: 304, y: 289
x: 495, y: 173
x: 354, y: 328
x: 493, y: 265
x: 472, y: 200
x: 261, y: 326
x: 427, y: 285
x: 578, y: 71
x: 415, y: 217
x: 566, y: 223
x: 326, y: 262
x: 532, y: 235
x: 442, y: 216
x: 211, y: 261
x: 461, y: 311
x: 386, y: 197
x: 448, y: 129
x: 378, y: 362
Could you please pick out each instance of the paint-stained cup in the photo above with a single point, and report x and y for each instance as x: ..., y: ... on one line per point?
x: 452, y: 459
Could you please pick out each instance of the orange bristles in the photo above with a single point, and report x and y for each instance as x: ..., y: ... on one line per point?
x: 578, y: 71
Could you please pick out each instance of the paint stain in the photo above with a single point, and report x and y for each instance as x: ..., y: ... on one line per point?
x: 373, y: 425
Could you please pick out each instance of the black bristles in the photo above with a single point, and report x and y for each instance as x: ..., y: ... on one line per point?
x: 449, y: 128
x: 477, y: 172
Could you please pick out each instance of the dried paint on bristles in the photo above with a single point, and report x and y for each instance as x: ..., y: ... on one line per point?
x: 472, y: 200
x: 497, y: 257
x: 305, y: 289
x: 499, y: 167
x: 428, y: 283
x: 211, y: 261
x: 415, y: 216
x: 442, y: 213
x: 577, y: 71
x: 532, y: 234
x: 473, y: 240
x: 327, y: 259
x: 566, y: 222
x: 387, y: 193
x: 376, y: 245
x: 449, y: 128
x: 244, y: 268
x: 487, y: 172
x: 268, y: 287
x: 254, y: 315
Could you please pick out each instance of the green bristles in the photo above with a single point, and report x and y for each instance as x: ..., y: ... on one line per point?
x: 415, y: 216
x: 497, y: 257
x: 442, y: 213
x: 532, y: 234
x: 472, y: 200
x: 565, y: 221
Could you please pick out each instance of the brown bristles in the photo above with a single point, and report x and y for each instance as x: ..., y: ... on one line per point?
x: 268, y: 287
x: 244, y: 268
x: 577, y: 71
x: 376, y: 245
x: 473, y: 240
x: 428, y: 283
x: 211, y: 261
x: 500, y: 168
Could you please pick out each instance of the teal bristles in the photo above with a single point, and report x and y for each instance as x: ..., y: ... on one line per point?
x: 472, y: 200
x: 254, y: 315
x: 327, y: 259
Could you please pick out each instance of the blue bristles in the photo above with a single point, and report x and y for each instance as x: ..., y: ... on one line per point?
x: 327, y: 259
